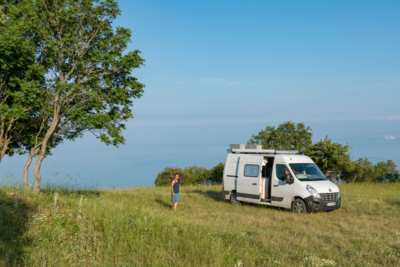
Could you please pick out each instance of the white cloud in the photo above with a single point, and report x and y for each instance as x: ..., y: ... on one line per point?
x: 231, y: 83
x: 212, y: 80
x: 389, y: 137
x: 386, y: 118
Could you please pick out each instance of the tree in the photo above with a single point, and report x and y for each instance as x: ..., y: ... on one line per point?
x: 20, y: 75
x: 364, y: 171
x: 387, y: 172
x: 88, y: 84
x: 195, y: 175
x: 331, y: 158
x: 21, y: 78
x: 288, y: 136
x: 217, y: 173
x: 165, y: 177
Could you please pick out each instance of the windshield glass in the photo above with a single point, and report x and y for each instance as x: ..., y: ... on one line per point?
x: 307, y: 172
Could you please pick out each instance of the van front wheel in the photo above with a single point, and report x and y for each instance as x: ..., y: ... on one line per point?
x: 298, y: 206
x: 234, y: 198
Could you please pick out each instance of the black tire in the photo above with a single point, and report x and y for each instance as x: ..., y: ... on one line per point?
x: 234, y: 198
x: 298, y: 206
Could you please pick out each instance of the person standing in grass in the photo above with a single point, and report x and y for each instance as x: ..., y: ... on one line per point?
x: 175, y: 191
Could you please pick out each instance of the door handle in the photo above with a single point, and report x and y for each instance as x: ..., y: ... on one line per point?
x: 275, y: 185
x: 254, y: 183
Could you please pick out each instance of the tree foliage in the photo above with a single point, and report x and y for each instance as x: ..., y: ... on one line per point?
x: 193, y: 175
x: 287, y: 136
x: 330, y: 157
x: 165, y: 177
x: 217, y: 173
x: 88, y: 86
x: 363, y: 170
x: 21, y: 76
x: 2, y: 13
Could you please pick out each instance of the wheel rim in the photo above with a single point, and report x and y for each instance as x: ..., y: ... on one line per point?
x: 298, y: 207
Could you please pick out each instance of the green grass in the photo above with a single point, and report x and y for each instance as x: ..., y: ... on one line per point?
x: 137, y: 227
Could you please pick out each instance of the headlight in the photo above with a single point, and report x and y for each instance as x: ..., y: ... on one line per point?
x: 338, y: 195
x: 313, y: 191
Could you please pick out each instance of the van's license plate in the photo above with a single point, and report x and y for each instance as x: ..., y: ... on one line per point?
x: 331, y: 204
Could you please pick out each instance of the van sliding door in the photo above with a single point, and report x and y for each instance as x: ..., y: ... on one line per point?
x: 248, y: 183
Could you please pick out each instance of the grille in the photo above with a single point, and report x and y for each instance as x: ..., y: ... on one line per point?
x: 329, y: 196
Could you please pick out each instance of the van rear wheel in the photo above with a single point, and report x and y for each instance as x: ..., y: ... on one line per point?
x: 234, y: 198
x: 298, y: 206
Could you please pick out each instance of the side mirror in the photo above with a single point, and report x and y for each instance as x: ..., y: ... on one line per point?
x: 289, y: 179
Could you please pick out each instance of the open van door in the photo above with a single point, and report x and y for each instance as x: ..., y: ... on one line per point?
x: 249, y: 179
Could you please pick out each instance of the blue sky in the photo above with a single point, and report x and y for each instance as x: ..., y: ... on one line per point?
x: 218, y: 71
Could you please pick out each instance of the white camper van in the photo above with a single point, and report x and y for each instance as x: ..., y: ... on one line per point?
x: 277, y: 178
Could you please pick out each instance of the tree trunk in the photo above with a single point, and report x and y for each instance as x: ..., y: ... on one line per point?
x: 3, y: 149
x: 2, y: 139
x: 26, y: 167
x: 36, y: 172
x: 43, y: 149
x: 327, y: 174
x: 5, y: 138
x: 338, y: 175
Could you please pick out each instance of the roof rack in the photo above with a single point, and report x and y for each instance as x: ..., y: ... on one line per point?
x: 256, y: 149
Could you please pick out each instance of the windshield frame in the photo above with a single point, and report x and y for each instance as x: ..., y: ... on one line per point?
x: 323, y: 178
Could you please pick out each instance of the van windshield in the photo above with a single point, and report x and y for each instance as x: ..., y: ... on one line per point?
x: 307, y: 172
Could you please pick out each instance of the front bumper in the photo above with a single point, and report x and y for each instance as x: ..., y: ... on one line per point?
x: 317, y: 204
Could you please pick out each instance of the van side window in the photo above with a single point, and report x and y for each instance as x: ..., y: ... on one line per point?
x: 251, y: 170
x: 281, y: 171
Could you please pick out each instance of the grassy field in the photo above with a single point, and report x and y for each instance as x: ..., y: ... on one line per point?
x: 137, y: 227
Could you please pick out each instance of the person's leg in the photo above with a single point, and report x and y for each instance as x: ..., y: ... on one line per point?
x: 175, y: 204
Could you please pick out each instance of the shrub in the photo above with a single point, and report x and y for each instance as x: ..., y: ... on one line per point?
x: 192, y: 175
x: 165, y: 177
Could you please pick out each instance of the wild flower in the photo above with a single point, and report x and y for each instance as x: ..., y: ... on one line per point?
x: 239, y: 263
x: 55, y: 201
x: 16, y: 204
x: 80, y: 204
x: 317, y: 262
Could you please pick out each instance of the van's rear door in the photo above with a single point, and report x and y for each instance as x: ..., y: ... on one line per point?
x: 249, y: 178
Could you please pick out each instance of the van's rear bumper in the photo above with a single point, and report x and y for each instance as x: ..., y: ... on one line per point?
x: 317, y: 204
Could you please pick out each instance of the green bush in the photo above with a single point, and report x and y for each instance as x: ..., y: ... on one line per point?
x: 193, y: 175
x: 165, y: 177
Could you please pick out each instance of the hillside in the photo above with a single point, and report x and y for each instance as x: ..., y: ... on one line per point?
x: 136, y: 227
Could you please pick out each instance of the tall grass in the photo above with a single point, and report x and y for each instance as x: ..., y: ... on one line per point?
x: 137, y: 227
